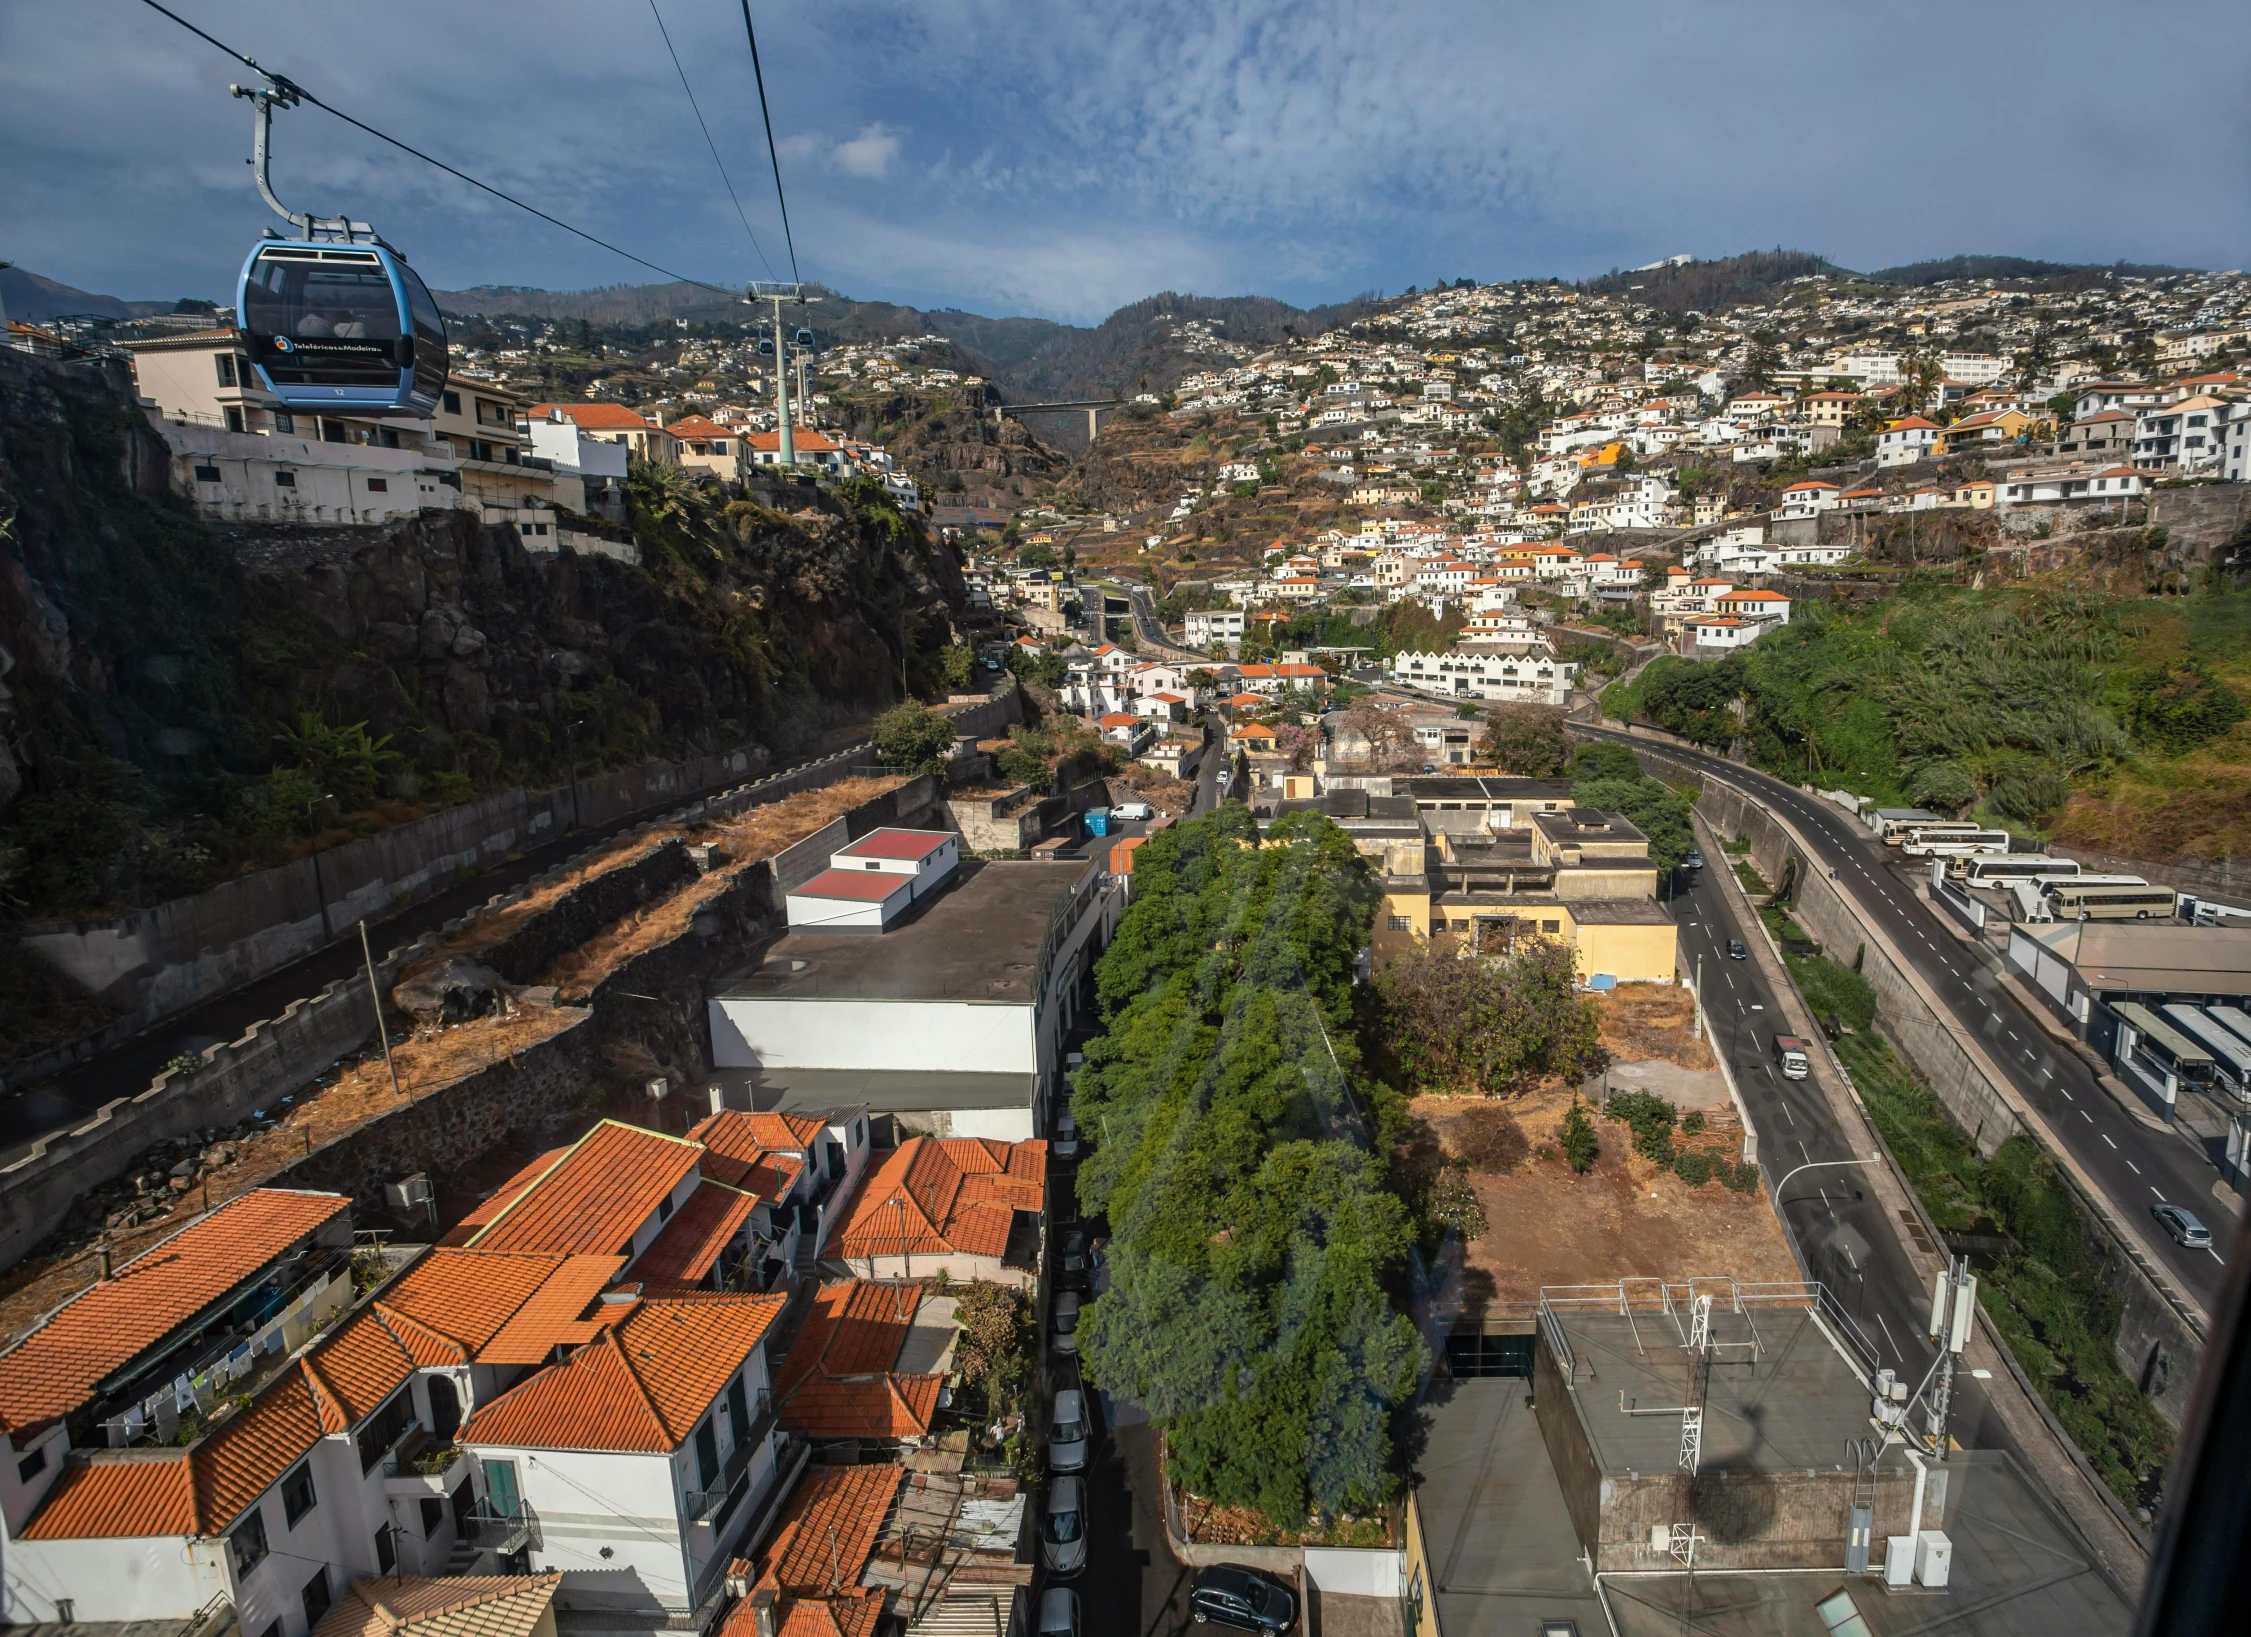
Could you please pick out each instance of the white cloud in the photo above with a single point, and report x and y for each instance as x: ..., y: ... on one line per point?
x: 868, y: 154
x: 1071, y: 158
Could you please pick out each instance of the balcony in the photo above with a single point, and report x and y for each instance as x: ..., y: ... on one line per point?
x: 422, y: 1466
x: 502, y: 1533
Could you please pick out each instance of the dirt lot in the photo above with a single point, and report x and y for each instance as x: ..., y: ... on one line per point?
x: 1625, y: 1218
x: 1652, y: 1020
x: 760, y: 832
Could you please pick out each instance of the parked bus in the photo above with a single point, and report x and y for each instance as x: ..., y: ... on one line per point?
x: 1998, y: 869
x: 1952, y: 843
x: 2117, y: 901
x: 1893, y: 823
x: 2231, y: 1057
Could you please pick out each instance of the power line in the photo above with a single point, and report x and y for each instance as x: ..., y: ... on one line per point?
x: 764, y: 113
x: 713, y: 146
x: 283, y: 82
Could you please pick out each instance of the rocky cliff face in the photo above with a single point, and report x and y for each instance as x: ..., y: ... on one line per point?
x: 173, y: 694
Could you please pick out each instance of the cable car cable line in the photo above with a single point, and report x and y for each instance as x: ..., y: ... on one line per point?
x: 708, y: 142
x: 764, y: 113
x: 284, y: 85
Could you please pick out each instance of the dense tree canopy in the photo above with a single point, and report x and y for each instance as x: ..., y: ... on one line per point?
x: 1250, y: 1224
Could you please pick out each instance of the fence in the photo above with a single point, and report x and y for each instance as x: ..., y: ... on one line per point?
x: 279, y: 1055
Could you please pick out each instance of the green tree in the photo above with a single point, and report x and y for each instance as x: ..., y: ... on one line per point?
x: 914, y: 737
x: 1526, y: 740
x: 1252, y: 1232
x: 1496, y: 1025
x: 344, y: 761
x: 1453, y: 1205
x: 1651, y: 806
x: 1577, y: 1139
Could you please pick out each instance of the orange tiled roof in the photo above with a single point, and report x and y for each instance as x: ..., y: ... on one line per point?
x: 590, y: 1201
x: 739, y: 1131
x: 640, y: 1385
x: 56, y: 1368
x: 838, y: 1381
x: 199, y: 1491
x: 828, y: 1530
x: 501, y: 1198
x: 700, y: 426
x: 596, y: 417
x: 939, y: 1194
x: 690, y: 1245
x: 512, y: 1605
x: 479, y: 1299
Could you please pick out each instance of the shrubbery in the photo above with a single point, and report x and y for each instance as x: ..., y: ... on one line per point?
x: 1497, y: 1026
x: 1251, y: 1228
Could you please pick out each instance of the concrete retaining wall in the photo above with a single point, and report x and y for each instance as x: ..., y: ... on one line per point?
x: 155, y: 962
x: 2220, y: 877
x: 152, y: 963
x: 2157, y: 1344
x: 586, y: 910
x: 277, y: 1056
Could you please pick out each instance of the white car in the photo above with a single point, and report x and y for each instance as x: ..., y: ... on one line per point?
x: 1133, y: 810
x: 1063, y: 1528
x: 1066, y: 1435
x: 1065, y: 1144
x: 1059, y: 1612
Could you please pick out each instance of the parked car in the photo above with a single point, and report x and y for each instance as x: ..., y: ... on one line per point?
x: 1074, y: 1259
x: 1063, y: 1528
x: 2183, y: 1226
x: 1133, y: 810
x: 1228, y: 1594
x: 1065, y: 1144
x: 1736, y: 951
x: 1059, y: 1612
x: 1067, y: 1433
x: 1066, y: 1322
x: 1694, y: 860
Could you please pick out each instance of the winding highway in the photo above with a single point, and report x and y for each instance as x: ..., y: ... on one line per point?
x: 2134, y: 1165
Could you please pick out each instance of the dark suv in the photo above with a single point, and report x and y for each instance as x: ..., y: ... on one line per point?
x: 1229, y: 1595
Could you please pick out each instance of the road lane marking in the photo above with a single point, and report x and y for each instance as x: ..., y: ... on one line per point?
x: 2106, y: 1138
x: 2131, y: 1166
x: 2084, y: 1115
x: 2160, y: 1197
x: 1888, y: 1336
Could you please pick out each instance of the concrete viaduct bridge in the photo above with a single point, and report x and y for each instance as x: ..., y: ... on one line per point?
x: 1042, y: 417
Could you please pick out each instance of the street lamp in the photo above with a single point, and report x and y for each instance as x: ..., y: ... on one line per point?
x: 1813, y: 1165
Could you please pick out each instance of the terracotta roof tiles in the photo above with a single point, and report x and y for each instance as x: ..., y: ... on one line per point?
x: 511, y: 1605
x: 936, y: 1195
x: 56, y: 1368
x: 838, y: 1382
x: 640, y: 1385
x: 591, y: 1201
x: 691, y: 1243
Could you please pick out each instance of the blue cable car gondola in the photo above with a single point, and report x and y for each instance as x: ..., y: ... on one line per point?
x: 334, y: 317
x: 342, y: 325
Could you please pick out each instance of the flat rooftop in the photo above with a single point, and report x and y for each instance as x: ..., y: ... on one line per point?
x: 2018, y: 1571
x: 1586, y: 824
x: 1465, y: 787
x: 1503, y: 1554
x: 1781, y: 1396
x: 879, y: 1091
x: 977, y: 940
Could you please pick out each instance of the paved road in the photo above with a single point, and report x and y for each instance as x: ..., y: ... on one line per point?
x: 66, y: 1100
x: 2133, y: 1165
x: 1834, y: 1216
x: 1151, y: 635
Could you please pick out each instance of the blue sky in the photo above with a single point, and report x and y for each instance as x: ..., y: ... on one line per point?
x: 1064, y: 160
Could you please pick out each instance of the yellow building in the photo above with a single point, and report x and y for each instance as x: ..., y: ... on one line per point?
x: 1585, y: 881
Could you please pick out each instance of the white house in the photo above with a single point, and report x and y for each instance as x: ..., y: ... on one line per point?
x: 1522, y: 677
x: 873, y: 882
x: 641, y: 1457
x: 1905, y: 442
x: 1210, y: 628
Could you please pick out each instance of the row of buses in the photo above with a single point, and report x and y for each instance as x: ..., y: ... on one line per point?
x: 2045, y: 888
x: 2058, y: 889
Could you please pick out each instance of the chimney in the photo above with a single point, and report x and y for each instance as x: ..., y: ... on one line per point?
x: 762, y: 1611
x: 103, y: 1255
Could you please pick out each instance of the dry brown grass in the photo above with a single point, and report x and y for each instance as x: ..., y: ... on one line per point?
x: 326, y: 1110
x: 1623, y: 1219
x: 758, y: 833
x: 490, y: 929
x: 1641, y: 1021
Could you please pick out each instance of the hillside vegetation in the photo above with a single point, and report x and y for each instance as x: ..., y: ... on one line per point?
x: 187, y: 701
x: 1253, y: 1232
x: 2116, y: 724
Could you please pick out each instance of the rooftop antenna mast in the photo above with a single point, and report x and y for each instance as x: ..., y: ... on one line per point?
x: 262, y: 105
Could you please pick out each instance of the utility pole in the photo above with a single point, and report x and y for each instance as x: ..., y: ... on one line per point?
x: 375, y: 994
x: 778, y: 292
